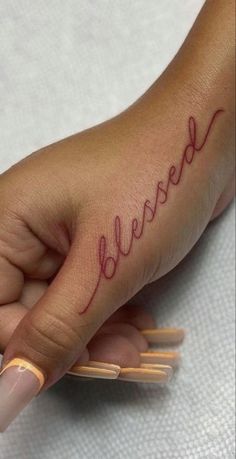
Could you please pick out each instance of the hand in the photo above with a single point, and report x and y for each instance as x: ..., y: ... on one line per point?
x: 101, y: 214
x: 119, y: 341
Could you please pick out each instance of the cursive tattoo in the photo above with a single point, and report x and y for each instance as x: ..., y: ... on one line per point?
x: 108, y: 264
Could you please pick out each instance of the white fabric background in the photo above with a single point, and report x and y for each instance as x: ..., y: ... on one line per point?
x: 63, y: 67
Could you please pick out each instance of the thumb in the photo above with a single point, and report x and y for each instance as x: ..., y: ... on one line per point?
x: 54, y: 333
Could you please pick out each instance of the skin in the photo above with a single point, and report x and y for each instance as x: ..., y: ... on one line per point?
x: 57, y: 204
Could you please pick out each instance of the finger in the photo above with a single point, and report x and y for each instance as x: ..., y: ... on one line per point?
x: 11, y: 314
x: 10, y: 317
x: 112, y: 348
x: 11, y: 282
x: 57, y: 329
x: 135, y: 315
x: 46, y: 266
x: 22, y: 253
x: 52, y: 335
x: 32, y: 292
x: 127, y: 331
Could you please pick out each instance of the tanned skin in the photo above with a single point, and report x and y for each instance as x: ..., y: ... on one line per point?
x: 85, y: 223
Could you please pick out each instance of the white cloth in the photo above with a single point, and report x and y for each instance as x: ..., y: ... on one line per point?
x: 63, y: 67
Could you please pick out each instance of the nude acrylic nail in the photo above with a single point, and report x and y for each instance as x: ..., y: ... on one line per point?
x: 164, y: 335
x: 98, y: 370
x: 144, y: 375
x: 20, y: 382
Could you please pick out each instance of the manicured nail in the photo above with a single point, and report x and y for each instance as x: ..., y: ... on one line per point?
x: 144, y: 375
x: 164, y: 335
x: 105, y: 365
x: 156, y: 366
x: 96, y: 370
x: 164, y: 358
x: 20, y: 382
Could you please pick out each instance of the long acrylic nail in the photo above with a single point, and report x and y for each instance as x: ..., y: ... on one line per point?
x: 156, y: 366
x: 144, y: 375
x: 20, y: 382
x: 107, y: 366
x: 164, y: 335
x: 164, y: 358
x: 95, y: 370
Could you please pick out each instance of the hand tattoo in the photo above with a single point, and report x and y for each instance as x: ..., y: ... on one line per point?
x: 108, y: 264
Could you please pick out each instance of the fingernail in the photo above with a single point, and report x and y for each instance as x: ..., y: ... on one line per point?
x: 164, y: 335
x: 95, y: 370
x: 143, y: 375
x: 20, y: 381
x: 104, y: 365
x: 164, y: 358
x: 156, y: 366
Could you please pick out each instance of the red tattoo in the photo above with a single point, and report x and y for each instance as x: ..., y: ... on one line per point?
x: 108, y: 264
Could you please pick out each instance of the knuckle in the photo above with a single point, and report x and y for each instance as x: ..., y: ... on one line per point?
x: 51, y: 340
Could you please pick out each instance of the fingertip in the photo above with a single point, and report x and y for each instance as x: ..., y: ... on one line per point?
x: 114, y: 348
x: 32, y: 292
x: 128, y: 331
